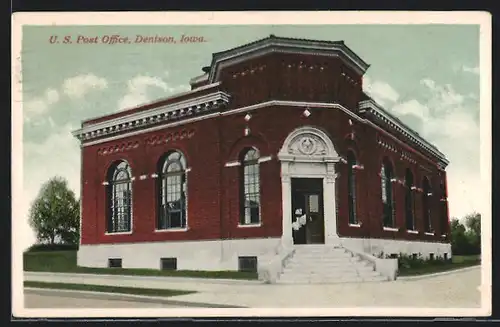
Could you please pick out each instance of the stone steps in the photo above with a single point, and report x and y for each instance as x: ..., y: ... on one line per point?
x: 332, y: 280
x: 328, y: 270
x: 322, y: 264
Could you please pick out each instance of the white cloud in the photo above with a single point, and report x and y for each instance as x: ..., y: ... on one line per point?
x: 75, y: 87
x: 429, y: 83
x: 40, y: 105
x: 78, y: 86
x: 52, y: 96
x: 412, y: 107
x: 58, y: 155
x: 380, y: 91
x: 473, y: 70
x: 137, y: 90
x: 448, y: 121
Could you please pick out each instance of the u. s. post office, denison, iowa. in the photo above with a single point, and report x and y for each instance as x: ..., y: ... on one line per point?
x: 275, y: 152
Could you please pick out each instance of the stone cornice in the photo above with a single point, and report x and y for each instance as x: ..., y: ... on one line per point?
x: 374, y: 108
x: 285, y: 45
x: 172, y: 97
x: 167, y: 113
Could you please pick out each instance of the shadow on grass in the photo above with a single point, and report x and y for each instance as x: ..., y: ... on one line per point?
x: 107, y: 289
x: 65, y: 262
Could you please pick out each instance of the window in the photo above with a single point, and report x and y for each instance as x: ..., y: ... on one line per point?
x: 386, y: 175
x: 426, y: 209
x: 409, y: 203
x: 351, y: 186
x: 115, y: 263
x: 247, y: 264
x: 250, y: 184
x: 119, y: 198
x: 168, y: 263
x: 172, y: 184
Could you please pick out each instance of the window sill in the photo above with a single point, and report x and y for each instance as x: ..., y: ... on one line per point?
x: 411, y: 231
x: 430, y: 234
x: 118, y: 233
x: 355, y: 225
x: 249, y: 225
x: 391, y: 229
x: 171, y: 230
x: 443, y: 236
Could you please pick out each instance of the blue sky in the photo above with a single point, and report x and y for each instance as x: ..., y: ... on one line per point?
x: 428, y: 75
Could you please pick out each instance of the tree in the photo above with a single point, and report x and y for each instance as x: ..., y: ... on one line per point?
x: 473, y: 233
x: 459, y: 241
x: 55, y: 213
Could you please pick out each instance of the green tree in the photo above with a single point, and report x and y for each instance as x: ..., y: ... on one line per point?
x: 459, y: 240
x: 473, y: 233
x: 55, y: 213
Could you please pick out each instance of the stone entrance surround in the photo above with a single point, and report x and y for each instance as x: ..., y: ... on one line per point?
x: 308, y: 152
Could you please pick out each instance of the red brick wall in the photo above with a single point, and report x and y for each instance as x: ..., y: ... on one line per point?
x: 291, y: 77
x: 213, y: 190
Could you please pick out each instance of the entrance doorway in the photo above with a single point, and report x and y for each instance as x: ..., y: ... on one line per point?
x: 307, y: 211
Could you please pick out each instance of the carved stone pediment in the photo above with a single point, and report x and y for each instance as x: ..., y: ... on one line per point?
x: 307, y: 144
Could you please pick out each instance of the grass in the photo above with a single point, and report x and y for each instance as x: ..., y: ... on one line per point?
x: 65, y: 262
x: 429, y: 267
x: 107, y: 289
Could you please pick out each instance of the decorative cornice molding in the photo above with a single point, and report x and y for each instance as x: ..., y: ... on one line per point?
x: 374, y: 108
x: 172, y: 97
x: 165, y: 138
x: 285, y: 45
x: 189, y: 107
x: 126, y: 146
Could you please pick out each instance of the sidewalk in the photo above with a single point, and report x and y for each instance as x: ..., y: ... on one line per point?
x: 458, y: 289
x: 115, y: 297
x: 159, y: 282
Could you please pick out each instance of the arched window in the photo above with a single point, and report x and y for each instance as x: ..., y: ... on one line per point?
x: 172, y: 193
x: 351, y: 187
x: 119, y: 198
x: 409, y: 201
x: 386, y: 175
x: 250, y: 188
x: 426, y: 208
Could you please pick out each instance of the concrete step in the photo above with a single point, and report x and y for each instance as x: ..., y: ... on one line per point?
x: 319, y: 250
x: 329, y: 266
x: 326, y: 270
x: 316, y: 264
x: 320, y: 261
x: 328, y: 274
x: 332, y: 280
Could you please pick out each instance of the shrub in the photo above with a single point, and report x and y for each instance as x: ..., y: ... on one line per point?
x: 52, y: 247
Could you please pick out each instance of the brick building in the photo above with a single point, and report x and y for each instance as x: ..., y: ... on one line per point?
x: 275, y: 145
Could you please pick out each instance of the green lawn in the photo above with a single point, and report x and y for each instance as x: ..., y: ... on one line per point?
x: 65, y: 262
x: 107, y: 289
x: 457, y: 262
